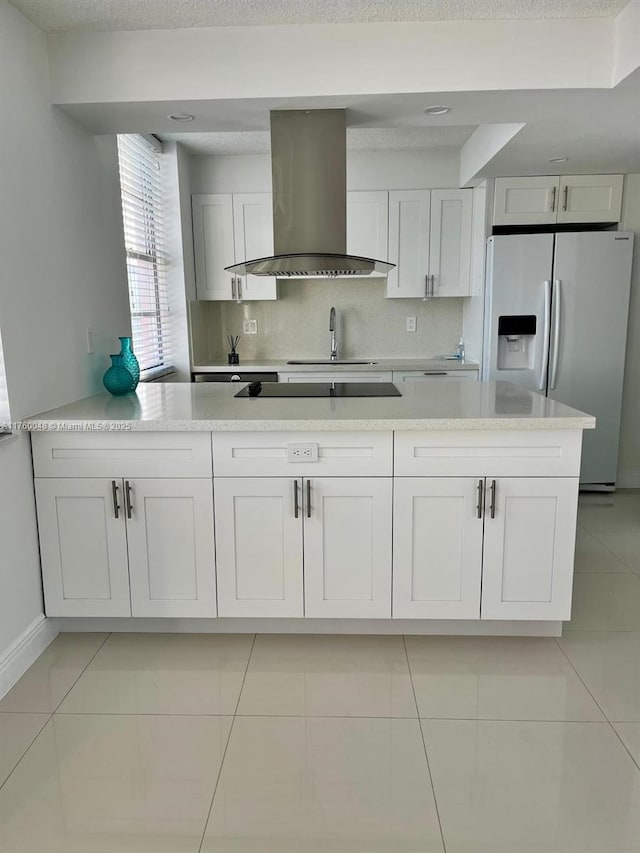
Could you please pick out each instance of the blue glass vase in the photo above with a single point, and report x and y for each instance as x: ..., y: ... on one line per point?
x: 129, y: 360
x: 118, y: 380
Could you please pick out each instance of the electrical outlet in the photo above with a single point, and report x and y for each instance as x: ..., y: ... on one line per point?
x: 411, y: 324
x: 250, y: 327
x: 302, y: 452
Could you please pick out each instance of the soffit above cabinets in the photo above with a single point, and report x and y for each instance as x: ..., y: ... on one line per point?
x: 56, y: 16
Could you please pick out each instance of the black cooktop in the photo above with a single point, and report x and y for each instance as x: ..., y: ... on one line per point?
x: 319, y: 389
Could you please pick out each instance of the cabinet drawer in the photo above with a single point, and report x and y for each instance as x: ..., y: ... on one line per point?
x: 142, y: 454
x: 337, y: 376
x: 524, y: 453
x: 364, y: 454
x: 422, y: 375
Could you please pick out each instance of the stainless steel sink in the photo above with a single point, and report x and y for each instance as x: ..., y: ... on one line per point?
x: 338, y: 361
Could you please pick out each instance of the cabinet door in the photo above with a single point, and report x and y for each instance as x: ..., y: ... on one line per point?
x: 526, y: 201
x: 258, y: 546
x: 590, y: 198
x: 409, y: 212
x: 213, y: 245
x: 253, y: 238
x: 437, y: 548
x: 529, y: 548
x: 368, y: 224
x: 171, y: 547
x: 83, y: 547
x: 450, y: 242
x: 347, y: 547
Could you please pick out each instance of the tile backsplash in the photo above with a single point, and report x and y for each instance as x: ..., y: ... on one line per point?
x: 296, y: 325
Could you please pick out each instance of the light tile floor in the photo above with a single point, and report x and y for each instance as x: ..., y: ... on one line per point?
x: 213, y: 744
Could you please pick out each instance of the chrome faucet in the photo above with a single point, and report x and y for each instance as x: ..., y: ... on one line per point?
x: 332, y: 329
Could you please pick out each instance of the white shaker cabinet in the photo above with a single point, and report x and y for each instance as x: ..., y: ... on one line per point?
x: 409, y: 218
x: 228, y: 229
x: 469, y: 548
x: 171, y: 547
x: 526, y: 201
x: 430, y: 243
x: 590, y: 198
x: 347, y: 547
x: 83, y: 546
x: 548, y: 199
x: 368, y: 224
x: 120, y: 547
x: 437, y: 548
x: 259, y: 546
x: 529, y: 543
x: 343, y: 569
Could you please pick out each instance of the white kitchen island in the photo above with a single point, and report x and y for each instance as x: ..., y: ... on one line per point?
x: 449, y: 509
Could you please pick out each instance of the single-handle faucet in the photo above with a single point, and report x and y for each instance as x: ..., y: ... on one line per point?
x: 332, y: 329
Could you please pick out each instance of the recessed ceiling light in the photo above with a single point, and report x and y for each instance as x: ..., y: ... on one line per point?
x: 558, y: 159
x: 180, y: 117
x: 437, y: 110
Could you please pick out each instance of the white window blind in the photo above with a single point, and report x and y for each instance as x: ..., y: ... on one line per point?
x: 142, y: 193
x: 4, y: 398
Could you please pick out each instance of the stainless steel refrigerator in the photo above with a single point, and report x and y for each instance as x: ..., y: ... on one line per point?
x: 556, y: 311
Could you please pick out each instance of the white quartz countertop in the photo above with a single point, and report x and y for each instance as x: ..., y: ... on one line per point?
x: 436, y: 404
x: 374, y: 364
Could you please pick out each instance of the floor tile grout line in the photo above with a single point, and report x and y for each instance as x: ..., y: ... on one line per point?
x: 226, y: 747
x: 88, y: 664
x: 424, y: 745
x: 612, y: 727
x: 613, y: 554
x: 31, y: 743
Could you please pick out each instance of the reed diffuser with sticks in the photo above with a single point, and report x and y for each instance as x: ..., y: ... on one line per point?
x: 233, y: 356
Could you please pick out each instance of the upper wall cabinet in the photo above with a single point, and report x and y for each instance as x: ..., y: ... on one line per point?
x: 368, y: 224
x: 550, y: 199
x: 228, y: 229
x: 430, y: 243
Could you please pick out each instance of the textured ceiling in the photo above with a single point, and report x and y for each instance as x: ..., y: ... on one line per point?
x: 82, y: 15
x: 358, y: 139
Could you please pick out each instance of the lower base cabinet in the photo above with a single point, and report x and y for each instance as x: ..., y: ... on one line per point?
x: 142, y: 547
x: 292, y: 547
x: 469, y: 548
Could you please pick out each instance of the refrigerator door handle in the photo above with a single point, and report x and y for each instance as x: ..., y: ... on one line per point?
x: 557, y: 302
x: 542, y: 382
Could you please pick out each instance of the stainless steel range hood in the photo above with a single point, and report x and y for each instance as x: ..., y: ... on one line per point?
x: 309, y: 175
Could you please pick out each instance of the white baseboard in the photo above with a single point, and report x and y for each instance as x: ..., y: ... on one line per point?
x: 315, y: 626
x: 628, y: 480
x: 17, y: 659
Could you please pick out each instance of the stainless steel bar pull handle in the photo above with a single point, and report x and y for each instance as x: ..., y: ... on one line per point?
x: 480, y: 496
x: 553, y: 199
x: 426, y: 287
x: 114, y: 495
x: 296, y: 504
x: 233, y: 289
x: 239, y: 288
x: 542, y: 379
x: 308, y: 498
x: 492, y: 510
x: 127, y: 498
x: 566, y: 197
x: 557, y: 315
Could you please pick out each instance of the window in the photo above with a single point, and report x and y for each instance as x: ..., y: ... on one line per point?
x: 4, y: 399
x: 141, y: 191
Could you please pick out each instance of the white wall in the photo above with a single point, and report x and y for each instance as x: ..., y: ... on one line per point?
x: 629, y: 459
x: 334, y: 59
x: 366, y: 170
x: 62, y: 269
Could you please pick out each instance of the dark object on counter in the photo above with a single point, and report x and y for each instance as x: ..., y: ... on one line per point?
x: 240, y: 376
x: 233, y: 358
x: 319, y: 389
